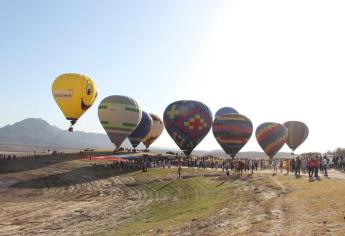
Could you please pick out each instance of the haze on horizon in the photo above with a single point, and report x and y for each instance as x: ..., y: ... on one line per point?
x: 270, y: 60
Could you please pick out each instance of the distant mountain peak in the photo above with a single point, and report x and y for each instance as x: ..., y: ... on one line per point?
x: 38, y: 132
x: 36, y: 122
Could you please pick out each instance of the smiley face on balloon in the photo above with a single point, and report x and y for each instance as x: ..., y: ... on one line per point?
x: 74, y: 94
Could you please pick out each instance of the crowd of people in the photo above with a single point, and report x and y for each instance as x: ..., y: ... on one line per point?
x: 338, y: 162
x: 28, y: 156
x: 226, y: 165
x: 313, y: 165
x: 7, y: 157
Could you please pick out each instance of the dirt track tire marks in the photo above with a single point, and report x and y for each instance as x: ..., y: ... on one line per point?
x: 50, y: 202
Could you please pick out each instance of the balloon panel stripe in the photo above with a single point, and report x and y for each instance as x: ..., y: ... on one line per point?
x: 266, y: 132
x: 119, y: 100
x: 129, y: 124
x: 117, y: 131
x: 117, y: 128
x: 271, y: 136
x: 131, y: 109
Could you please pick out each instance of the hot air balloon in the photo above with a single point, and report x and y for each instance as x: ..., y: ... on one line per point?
x: 187, y: 123
x: 232, y: 131
x: 141, y: 130
x: 297, y: 133
x: 271, y: 137
x: 119, y: 116
x: 74, y: 94
x: 155, y: 131
x: 225, y: 110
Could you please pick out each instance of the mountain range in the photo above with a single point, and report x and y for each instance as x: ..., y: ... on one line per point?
x: 38, y: 133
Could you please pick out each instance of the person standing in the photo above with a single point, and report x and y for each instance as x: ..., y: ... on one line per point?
x: 325, y: 165
x: 179, y: 171
x: 316, y: 167
x: 304, y: 165
x: 252, y: 165
x: 310, y: 167
x: 293, y: 165
x: 298, y: 165
x: 288, y: 166
x: 275, y: 165
x: 227, y: 171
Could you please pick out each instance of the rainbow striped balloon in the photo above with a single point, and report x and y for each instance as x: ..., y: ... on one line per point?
x: 297, y: 133
x: 232, y: 132
x: 271, y: 137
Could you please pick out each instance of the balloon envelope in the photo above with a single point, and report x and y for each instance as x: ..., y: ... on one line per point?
x: 187, y: 123
x: 74, y: 94
x: 226, y: 110
x: 232, y: 131
x: 141, y: 130
x: 119, y: 116
x: 155, y: 131
x: 271, y: 137
x: 297, y: 133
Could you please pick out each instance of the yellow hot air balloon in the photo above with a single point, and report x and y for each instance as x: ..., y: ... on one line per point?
x: 74, y: 94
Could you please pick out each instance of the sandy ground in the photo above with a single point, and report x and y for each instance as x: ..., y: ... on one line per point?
x: 59, y: 196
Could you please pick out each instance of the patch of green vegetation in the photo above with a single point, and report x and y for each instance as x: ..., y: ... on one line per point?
x: 175, y: 201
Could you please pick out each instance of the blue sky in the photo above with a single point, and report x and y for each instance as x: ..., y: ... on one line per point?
x: 272, y: 61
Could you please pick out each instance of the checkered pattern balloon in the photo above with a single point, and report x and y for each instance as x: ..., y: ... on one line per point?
x: 187, y: 123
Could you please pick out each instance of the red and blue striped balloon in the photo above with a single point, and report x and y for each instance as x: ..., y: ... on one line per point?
x: 232, y: 132
x: 271, y: 137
